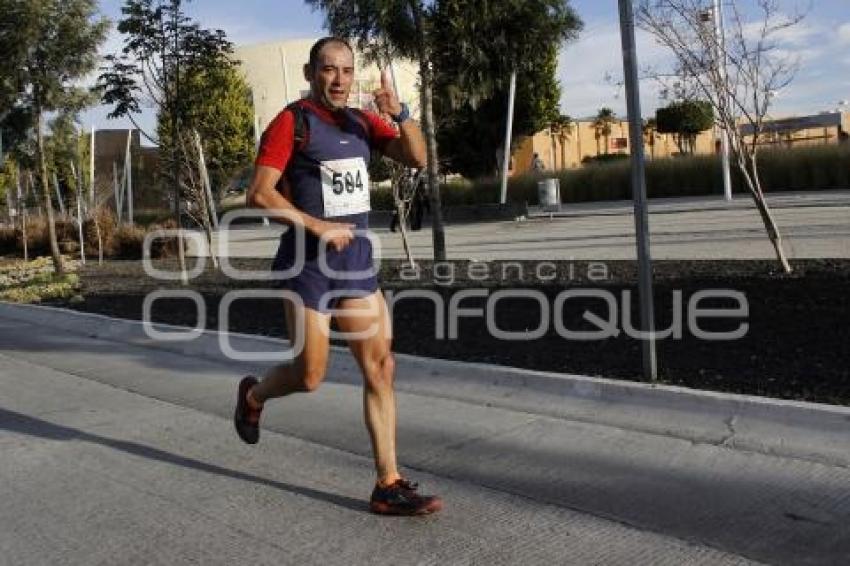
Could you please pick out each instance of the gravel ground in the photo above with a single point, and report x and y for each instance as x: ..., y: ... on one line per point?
x: 795, y: 346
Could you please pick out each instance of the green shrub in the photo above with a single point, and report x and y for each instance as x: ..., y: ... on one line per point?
x: 164, y: 247
x: 9, y: 238
x: 107, y: 223
x: 128, y: 242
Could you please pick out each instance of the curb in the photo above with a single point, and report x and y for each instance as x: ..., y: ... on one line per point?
x: 802, y: 430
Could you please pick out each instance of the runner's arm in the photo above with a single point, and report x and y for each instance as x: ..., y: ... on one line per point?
x: 273, y: 156
x: 409, y: 147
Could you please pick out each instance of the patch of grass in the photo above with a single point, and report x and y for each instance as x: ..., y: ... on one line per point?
x: 42, y: 287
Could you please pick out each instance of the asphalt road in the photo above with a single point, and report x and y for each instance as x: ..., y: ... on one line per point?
x: 813, y: 225
x: 119, y: 453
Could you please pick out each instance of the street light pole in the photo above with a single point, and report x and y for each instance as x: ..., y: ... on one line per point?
x: 720, y: 58
x: 647, y: 311
x: 509, y: 125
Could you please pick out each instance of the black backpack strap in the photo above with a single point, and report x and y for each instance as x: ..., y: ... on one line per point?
x: 302, y: 127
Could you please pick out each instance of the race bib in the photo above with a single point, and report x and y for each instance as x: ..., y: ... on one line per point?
x: 345, y: 187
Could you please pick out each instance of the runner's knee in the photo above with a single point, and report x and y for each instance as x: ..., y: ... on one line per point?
x: 311, y: 377
x: 381, y: 371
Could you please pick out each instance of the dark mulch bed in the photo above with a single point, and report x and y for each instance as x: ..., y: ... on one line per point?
x: 796, y: 346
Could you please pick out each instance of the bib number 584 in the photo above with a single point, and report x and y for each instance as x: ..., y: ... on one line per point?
x: 348, y: 182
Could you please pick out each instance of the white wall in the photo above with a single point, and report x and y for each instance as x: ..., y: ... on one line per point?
x: 274, y: 72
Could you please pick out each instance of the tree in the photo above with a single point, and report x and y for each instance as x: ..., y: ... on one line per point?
x: 387, y: 29
x: 469, y: 137
x: 163, y: 52
x: 218, y: 106
x: 602, y: 126
x: 650, y: 128
x: 562, y: 129
x: 477, y: 44
x: 738, y: 77
x: 47, y: 46
x: 685, y: 120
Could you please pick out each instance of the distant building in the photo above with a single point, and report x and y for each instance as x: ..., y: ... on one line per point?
x: 275, y: 73
x: 585, y: 141
x: 110, y: 147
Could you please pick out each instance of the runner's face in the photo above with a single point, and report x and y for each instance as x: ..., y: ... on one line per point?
x: 333, y: 75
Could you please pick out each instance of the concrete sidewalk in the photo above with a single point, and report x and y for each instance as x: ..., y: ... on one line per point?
x: 813, y: 225
x: 121, y: 451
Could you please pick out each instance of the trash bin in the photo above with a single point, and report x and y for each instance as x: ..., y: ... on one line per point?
x: 549, y: 192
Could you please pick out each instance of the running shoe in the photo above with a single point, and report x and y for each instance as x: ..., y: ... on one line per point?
x: 246, y: 418
x: 400, y: 498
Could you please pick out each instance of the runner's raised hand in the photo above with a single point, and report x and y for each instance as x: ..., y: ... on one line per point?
x: 385, y: 98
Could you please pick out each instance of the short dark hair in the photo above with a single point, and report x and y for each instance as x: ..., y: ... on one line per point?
x: 317, y: 48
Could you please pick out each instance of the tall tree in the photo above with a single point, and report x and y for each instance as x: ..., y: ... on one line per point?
x: 472, y: 136
x: 47, y: 46
x: 562, y: 129
x: 218, y: 106
x: 397, y: 28
x: 603, y: 126
x: 650, y: 128
x: 738, y: 76
x: 685, y: 120
x: 163, y: 50
x: 477, y: 44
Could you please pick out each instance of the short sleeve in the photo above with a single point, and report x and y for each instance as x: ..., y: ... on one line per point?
x: 381, y: 132
x: 277, y: 141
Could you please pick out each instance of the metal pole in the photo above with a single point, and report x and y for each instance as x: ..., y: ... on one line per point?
x: 630, y: 67
x: 79, y: 195
x: 506, y: 157
x: 720, y: 40
x: 128, y: 176
x: 116, y: 190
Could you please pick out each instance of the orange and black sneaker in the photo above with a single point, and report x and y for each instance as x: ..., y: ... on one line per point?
x: 400, y: 498
x: 246, y: 418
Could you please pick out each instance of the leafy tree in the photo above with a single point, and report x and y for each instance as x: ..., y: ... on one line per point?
x: 470, y: 135
x: 650, y: 128
x: 603, y: 126
x: 164, y: 51
x: 47, y: 46
x: 562, y: 129
x: 685, y: 120
x: 477, y: 44
x: 223, y: 116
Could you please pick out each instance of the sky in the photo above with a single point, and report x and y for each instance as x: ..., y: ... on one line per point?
x: 586, y: 66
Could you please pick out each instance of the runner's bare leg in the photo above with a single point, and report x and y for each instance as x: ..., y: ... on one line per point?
x: 373, y: 354
x: 307, y: 371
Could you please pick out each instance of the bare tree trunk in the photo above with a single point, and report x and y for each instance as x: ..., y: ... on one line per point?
x: 748, y: 166
x: 58, y: 268
x: 766, y: 215
x: 22, y: 211
x: 96, y: 219
x: 426, y: 97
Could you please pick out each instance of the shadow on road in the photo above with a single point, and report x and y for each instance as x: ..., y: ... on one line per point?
x: 23, y: 424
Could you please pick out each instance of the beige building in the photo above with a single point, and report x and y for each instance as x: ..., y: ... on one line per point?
x: 584, y: 140
x: 275, y: 73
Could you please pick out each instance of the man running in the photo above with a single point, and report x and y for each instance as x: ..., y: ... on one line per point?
x: 317, y: 152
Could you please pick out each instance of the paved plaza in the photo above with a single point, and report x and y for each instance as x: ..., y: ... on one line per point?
x: 813, y: 225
